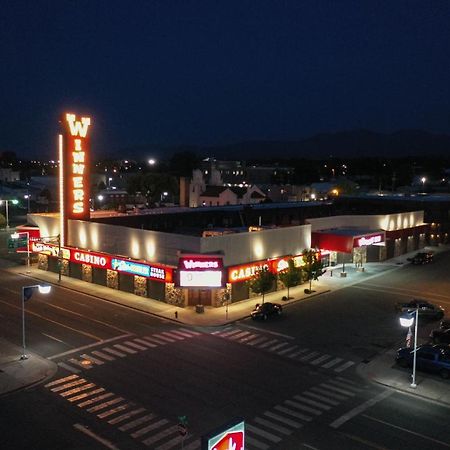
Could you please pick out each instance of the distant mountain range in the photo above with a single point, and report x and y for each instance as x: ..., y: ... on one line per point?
x: 345, y: 144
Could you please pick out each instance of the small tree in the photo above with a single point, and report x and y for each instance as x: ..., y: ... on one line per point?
x: 312, y: 265
x: 262, y: 281
x: 291, y: 276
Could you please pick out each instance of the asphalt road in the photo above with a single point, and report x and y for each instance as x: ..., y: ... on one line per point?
x: 292, y: 379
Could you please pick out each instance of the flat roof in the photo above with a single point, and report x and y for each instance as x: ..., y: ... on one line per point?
x: 349, y: 231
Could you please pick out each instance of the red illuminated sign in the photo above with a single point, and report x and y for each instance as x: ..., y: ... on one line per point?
x: 228, y: 437
x: 200, y: 262
x: 91, y: 258
x: 372, y: 239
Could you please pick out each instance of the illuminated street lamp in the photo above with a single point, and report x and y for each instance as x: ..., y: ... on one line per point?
x: 406, y: 321
x: 16, y: 236
x: 14, y: 202
x: 423, y: 179
x: 27, y: 293
x: 27, y: 197
x: 152, y: 161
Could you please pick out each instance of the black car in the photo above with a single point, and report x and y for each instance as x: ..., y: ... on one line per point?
x: 440, y: 336
x: 265, y: 310
x: 426, y: 309
x: 421, y: 258
x: 432, y: 358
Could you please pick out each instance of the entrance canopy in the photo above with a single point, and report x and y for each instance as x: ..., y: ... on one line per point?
x: 346, y: 239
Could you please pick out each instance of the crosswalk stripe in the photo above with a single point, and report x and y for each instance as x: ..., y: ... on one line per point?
x: 62, y: 387
x: 303, y: 407
x: 164, y: 338
x: 299, y: 352
x: 173, y: 335
x: 136, y: 345
x: 226, y: 333
x: 338, y: 390
x: 193, y: 445
x: 114, y: 352
x: 144, y: 342
x: 113, y: 411
x: 153, y: 340
x: 85, y: 395
x: 68, y: 367
x: 343, y: 385
x: 257, y: 341
x: 264, y: 434
x: 256, y: 443
x: 80, y: 363
x: 328, y: 393
x: 276, y: 347
x: 287, y: 350
x: 332, y: 363
x: 308, y: 356
x: 293, y: 413
x: 321, y: 397
x: 125, y: 416
x: 344, y: 366
x: 248, y: 338
x: 125, y: 349
x: 148, y: 428
x: 76, y: 390
x: 162, y: 434
x: 91, y: 401
x: 61, y: 380
x: 312, y: 402
x: 282, y: 419
x: 103, y: 355
x: 182, y: 334
x: 319, y: 360
x: 266, y: 344
x: 136, y: 422
x: 273, y: 426
x: 93, y: 359
x: 195, y: 333
x: 239, y: 335
x: 105, y: 404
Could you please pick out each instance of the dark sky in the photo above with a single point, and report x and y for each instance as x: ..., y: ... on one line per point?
x: 215, y: 72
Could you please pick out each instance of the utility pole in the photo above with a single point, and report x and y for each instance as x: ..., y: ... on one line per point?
x: 59, y: 258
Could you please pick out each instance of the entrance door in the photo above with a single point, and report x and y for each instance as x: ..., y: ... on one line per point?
x: 199, y: 297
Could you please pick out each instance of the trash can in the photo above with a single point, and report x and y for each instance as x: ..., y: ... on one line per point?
x: 199, y: 309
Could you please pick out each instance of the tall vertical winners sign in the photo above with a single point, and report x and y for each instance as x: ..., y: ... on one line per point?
x: 74, y: 171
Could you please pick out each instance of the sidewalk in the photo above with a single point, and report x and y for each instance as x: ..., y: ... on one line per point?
x: 16, y: 374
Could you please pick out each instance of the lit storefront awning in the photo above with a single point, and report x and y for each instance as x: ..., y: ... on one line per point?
x: 346, y: 239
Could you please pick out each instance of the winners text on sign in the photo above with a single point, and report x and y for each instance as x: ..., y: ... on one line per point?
x: 76, y: 167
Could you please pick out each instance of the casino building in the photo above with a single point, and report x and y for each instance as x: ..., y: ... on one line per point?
x: 200, y: 256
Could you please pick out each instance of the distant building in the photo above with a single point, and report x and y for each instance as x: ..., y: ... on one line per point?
x: 8, y: 175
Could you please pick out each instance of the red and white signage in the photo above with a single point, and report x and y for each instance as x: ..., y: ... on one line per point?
x: 230, y: 438
x: 200, y: 271
x: 371, y: 239
x: 93, y: 259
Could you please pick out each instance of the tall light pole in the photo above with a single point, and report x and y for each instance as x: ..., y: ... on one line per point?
x: 14, y: 202
x: 17, y: 236
x: 407, y: 321
x: 27, y: 197
x: 423, y: 179
x: 27, y: 293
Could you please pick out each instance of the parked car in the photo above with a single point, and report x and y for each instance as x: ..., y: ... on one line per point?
x: 265, y: 310
x: 440, y: 336
x: 421, y: 258
x: 432, y: 358
x: 427, y: 310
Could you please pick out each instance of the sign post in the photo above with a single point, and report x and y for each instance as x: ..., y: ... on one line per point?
x: 182, y: 429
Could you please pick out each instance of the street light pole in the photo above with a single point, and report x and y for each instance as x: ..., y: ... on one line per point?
x: 27, y: 292
x: 416, y: 326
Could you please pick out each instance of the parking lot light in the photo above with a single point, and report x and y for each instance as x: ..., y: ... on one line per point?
x: 406, y: 321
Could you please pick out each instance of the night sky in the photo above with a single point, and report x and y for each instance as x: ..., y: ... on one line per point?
x: 215, y: 72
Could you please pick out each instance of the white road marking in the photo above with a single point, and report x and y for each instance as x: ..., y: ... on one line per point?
x: 162, y: 434
x: 293, y: 413
x: 338, y: 390
x: 85, y: 395
x: 266, y: 344
x: 332, y: 363
x: 284, y: 420
x: 85, y: 347
x: 263, y: 433
x: 173, y: 335
x: 114, y: 352
x: 329, y: 394
x: 287, y: 350
x: 103, y: 355
x: 144, y: 342
x: 164, y: 338
x: 305, y: 408
x: 148, y: 428
x: 309, y: 356
x: 77, y: 390
x: 319, y: 360
x: 105, y: 404
x: 95, y: 399
x: 68, y: 385
x: 91, y: 434
x: 257, y: 341
x: 93, y: 359
x: 299, y: 352
x: 321, y: 397
x: 254, y: 442
x: 69, y: 368
x: 153, y: 340
x: 312, y: 402
x: 359, y: 409
x: 125, y: 416
x: 269, y: 332
x: 273, y: 426
x: 276, y: 347
x: 61, y: 380
x: 134, y: 423
x: 341, y: 384
x: 344, y: 366
x: 56, y: 339
x: 125, y: 349
x: 195, y: 333
x: 135, y: 345
x: 113, y: 411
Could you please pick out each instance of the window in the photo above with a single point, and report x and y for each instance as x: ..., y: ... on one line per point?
x: 426, y: 356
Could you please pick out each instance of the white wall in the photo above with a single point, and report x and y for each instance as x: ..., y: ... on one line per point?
x: 388, y: 222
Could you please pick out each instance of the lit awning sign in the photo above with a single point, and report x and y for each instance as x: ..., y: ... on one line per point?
x: 231, y: 438
x: 364, y: 241
x: 200, y: 271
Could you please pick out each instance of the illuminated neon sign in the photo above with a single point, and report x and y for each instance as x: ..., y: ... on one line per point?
x: 229, y: 437
x: 74, y: 170
x: 369, y: 240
